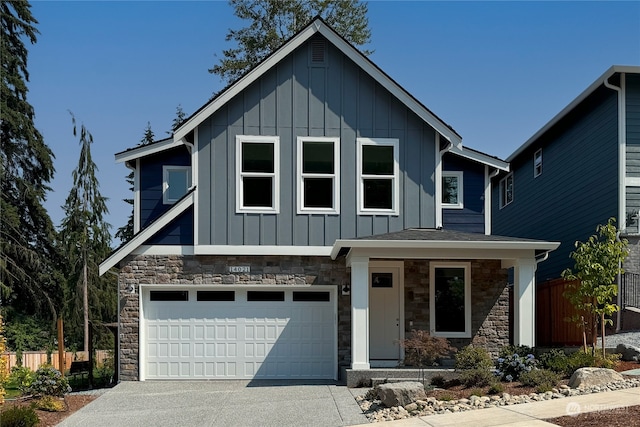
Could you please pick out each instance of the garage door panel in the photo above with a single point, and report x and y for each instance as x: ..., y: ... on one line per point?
x: 240, y: 339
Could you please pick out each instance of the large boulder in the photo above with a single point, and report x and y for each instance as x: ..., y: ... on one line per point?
x: 589, y: 377
x: 628, y: 352
x: 401, y: 394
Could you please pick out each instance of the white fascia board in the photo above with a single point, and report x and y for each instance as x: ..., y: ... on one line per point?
x: 163, y: 250
x: 345, y: 48
x: 631, y: 69
x: 147, y: 150
x: 389, y: 84
x: 262, y: 250
x: 147, y: 233
x: 480, y: 158
x: 482, y: 247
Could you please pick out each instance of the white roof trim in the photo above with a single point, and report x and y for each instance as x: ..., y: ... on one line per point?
x: 442, y: 244
x: 149, y: 149
x: 632, y: 69
x: 262, y: 250
x: 319, y: 27
x: 480, y: 158
x: 147, y: 233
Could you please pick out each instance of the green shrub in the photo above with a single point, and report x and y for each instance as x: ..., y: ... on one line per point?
x: 476, y: 377
x: 438, y: 381
x: 555, y: 360
x: 542, y: 379
x: 496, y: 388
x: 423, y: 350
x: 472, y: 357
x: 50, y: 403
x: 48, y: 382
x: 476, y: 392
x: 19, y: 416
x: 510, y: 368
x: 21, y: 378
x: 520, y: 350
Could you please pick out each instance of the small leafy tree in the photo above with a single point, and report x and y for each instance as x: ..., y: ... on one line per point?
x: 3, y: 363
x: 423, y: 350
x: 598, y: 261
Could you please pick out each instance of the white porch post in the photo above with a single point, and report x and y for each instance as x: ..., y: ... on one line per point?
x: 524, y: 302
x: 360, y: 313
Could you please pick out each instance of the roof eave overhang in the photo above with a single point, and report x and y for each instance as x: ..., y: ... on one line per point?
x: 147, y: 150
x: 138, y: 240
x: 446, y: 249
x: 480, y: 158
x: 318, y: 27
x: 631, y: 69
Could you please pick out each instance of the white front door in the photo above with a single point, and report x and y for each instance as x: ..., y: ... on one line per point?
x: 384, y: 315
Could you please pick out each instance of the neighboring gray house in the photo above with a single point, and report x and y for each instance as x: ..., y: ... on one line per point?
x: 304, y: 220
x: 579, y: 170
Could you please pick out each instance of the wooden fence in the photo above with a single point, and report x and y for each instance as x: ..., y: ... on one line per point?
x: 552, y: 310
x: 34, y: 359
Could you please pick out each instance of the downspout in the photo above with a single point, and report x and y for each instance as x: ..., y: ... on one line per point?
x: 438, y: 178
x: 488, y: 220
x: 622, y: 155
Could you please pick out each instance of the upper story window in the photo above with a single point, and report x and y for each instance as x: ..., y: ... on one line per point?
x: 257, y: 169
x: 318, y: 175
x: 506, y: 190
x: 176, y: 180
x: 537, y: 163
x: 452, y: 186
x: 378, y: 180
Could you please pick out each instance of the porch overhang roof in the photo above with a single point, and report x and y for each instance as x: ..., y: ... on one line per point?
x: 430, y: 243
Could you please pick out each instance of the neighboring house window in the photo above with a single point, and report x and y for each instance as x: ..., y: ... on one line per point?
x: 258, y: 178
x: 318, y: 175
x: 450, y: 299
x: 378, y: 181
x: 452, y: 186
x: 175, y: 183
x: 506, y: 190
x: 537, y: 163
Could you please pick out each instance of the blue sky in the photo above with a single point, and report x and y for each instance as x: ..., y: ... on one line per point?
x: 495, y: 71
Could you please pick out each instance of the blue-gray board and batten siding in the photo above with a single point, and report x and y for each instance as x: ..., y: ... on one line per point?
x: 470, y: 219
x: 295, y: 99
x: 578, y: 186
x: 633, y: 147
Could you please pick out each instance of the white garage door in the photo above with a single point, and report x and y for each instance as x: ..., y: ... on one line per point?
x: 239, y: 333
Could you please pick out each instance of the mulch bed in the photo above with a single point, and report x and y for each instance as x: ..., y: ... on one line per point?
x: 49, y: 419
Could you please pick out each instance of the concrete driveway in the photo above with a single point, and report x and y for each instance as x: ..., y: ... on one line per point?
x: 220, y: 403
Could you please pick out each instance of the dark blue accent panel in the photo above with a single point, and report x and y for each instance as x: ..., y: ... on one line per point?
x: 151, y: 205
x: 177, y: 232
x: 578, y: 187
x: 471, y: 218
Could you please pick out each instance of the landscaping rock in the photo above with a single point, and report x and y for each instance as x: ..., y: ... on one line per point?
x: 401, y: 394
x: 593, y: 377
x: 629, y: 353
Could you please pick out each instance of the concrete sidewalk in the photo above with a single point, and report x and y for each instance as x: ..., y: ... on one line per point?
x: 526, y: 414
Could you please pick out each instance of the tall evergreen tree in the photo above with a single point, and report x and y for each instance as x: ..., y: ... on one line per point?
x: 86, y: 240
x: 274, y: 21
x: 125, y: 233
x: 27, y: 250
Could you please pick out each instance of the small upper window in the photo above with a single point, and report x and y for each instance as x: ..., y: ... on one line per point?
x: 176, y: 182
x: 537, y: 163
x: 258, y: 165
x: 506, y: 190
x: 378, y: 185
x: 452, y: 186
x: 318, y: 178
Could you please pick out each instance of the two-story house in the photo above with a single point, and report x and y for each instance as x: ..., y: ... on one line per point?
x: 304, y: 220
x: 577, y: 171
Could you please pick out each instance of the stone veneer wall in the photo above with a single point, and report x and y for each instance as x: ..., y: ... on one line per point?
x: 489, y: 299
x: 632, y: 263
x: 213, y: 270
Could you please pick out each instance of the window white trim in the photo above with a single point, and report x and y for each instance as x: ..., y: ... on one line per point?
x: 335, y: 176
x: 275, y: 182
x: 395, y: 178
x: 166, y: 169
x: 504, y: 182
x: 459, y: 175
x: 537, y: 163
x: 467, y: 299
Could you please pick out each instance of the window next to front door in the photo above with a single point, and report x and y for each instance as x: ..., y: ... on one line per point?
x: 450, y: 299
